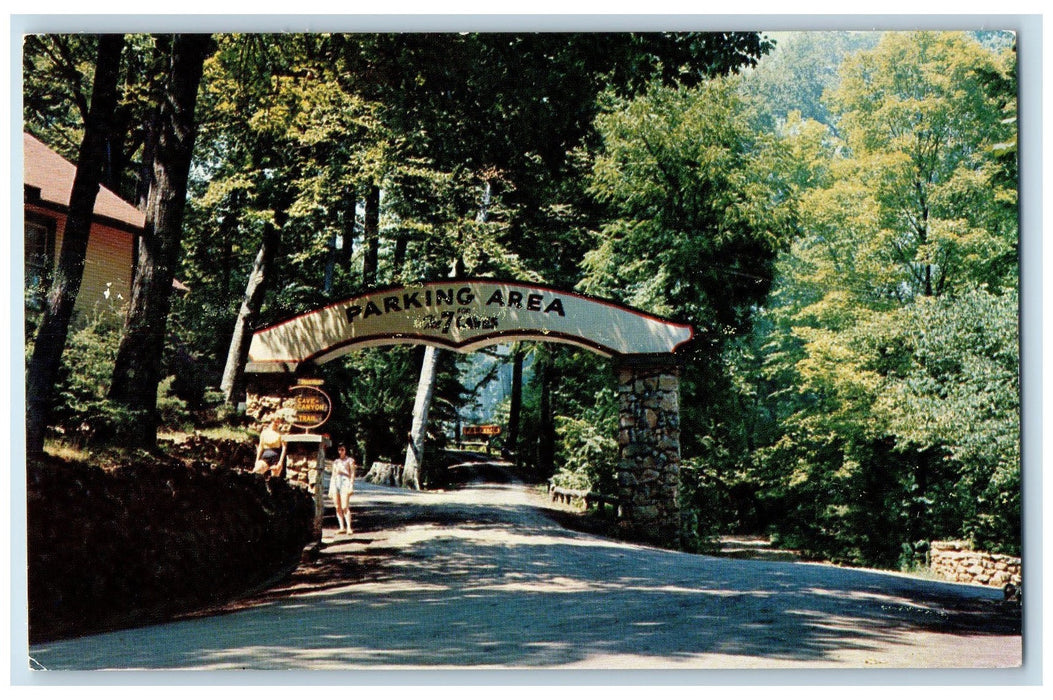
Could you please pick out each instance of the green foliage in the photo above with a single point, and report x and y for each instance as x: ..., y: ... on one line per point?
x: 172, y: 411
x: 801, y: 68
x: 920, y: 119
x: 695, y: 195
x: 839, y: 223
x: 893, y: 349
x: 569, y: 413
x: 965, y: 363
x: 728, y: 412
x: 372, y: 400
x: 706, y: 500
x: 701, y: 204
x: 587, y: 452
x: 910, y: 416
x: 82, y: 413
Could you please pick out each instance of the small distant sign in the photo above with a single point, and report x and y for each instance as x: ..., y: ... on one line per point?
x: 481, y: 430
x: 313, y: 406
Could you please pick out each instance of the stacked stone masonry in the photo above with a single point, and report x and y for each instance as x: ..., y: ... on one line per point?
x: 954, y: 561
x: 274, y: 404
x: 649, y: 451
x: 302, y: 469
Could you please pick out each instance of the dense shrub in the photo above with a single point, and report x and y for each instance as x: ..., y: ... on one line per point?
x: 587, y: 453
x: 81, y: 412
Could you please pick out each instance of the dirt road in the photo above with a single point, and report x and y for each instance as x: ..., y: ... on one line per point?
x: 480, y: 577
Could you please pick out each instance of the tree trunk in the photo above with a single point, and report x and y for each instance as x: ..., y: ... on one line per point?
x: 116, y: 159
x: 515, y: 401
x: 414, y: 465
x: 348, y: 249
x: 54, y: 326
x: 228, y: 228
x: 546, y: 443
x: 137, y: 370
x: 237, y: 354
x: 330, y: 264
x: 398, y: 257
x: 151, y: 129
x: 371, y: 236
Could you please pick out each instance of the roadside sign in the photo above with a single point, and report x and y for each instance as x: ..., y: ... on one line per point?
x: 313, y: 406
x: 481, y: 430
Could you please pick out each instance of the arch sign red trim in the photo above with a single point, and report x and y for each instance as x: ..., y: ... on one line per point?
x: 463, y: 315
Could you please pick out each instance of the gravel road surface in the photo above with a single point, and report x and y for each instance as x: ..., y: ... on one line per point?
x: 481, y: 577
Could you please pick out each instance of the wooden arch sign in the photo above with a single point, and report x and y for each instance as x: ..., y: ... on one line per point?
x: 463, y: 315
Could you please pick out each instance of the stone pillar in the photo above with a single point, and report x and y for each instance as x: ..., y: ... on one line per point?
x: 305, y: 463
x: 649, y: 448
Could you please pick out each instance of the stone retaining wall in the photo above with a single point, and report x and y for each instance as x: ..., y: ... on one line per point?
x: 954, y: 561
x: 150, y: 539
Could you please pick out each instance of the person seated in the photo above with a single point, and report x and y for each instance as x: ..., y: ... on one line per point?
x: 270, y: 454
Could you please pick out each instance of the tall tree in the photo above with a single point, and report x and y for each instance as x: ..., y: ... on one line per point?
x: 283, y: 136
x: 694, y: 193
x: 54, y: 327
x: 515, y: 400
x: 414, y: 463
x: 699, y: 203
x: 920, y: 124
x: 137, y: 371
x: 371, y: 236
x: 232, y: 381
x: 58, y: 71
x: 904, y: 276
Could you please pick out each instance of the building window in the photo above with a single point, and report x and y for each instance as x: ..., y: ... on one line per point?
x: 39, y: 261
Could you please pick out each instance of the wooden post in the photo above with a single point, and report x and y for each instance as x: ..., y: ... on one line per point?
x: 316, y: 486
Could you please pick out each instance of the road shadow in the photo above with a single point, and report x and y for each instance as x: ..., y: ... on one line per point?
x: 434, y: 583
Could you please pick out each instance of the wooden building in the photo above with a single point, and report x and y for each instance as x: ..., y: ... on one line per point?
x: 116, y: 227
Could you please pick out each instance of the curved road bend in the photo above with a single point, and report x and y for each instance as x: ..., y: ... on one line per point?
x: 480, y: 577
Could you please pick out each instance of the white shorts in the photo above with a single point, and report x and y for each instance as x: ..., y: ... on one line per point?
x: 340, y: 484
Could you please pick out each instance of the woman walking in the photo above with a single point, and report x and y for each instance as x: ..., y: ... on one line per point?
x: 341, y: 486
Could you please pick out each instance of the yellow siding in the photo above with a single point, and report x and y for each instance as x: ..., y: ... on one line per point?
x: 107, y: 267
